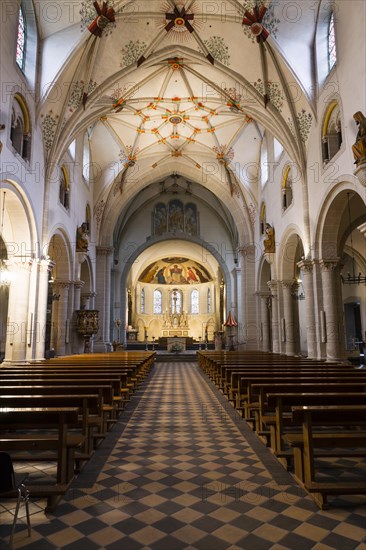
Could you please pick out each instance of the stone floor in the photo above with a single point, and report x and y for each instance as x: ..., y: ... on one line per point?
x: 181, y: 470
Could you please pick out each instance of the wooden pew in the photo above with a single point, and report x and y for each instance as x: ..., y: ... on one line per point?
x: 282, y: 420
x: 88, y: 404
x: 60, y: 419
x: 263, y: 411
x: 335, y: 418
x: 291, y: 378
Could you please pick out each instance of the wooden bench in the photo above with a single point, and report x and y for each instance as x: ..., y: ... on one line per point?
x: 43, y: 419
x: 263, y: 410
x: 281, y: 421
x: 343, y: 426
x: 89, y: 406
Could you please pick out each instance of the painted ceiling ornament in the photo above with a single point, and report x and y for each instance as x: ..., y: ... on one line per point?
x: 224, y: 154
x: 105, y: 16
x: 180, y: 19
x: 254, y: 19
x: 176, y: 63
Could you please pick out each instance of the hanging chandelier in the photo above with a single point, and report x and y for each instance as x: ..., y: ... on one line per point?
x: 352, y: 278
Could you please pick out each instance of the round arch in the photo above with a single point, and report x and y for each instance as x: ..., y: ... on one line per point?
x: 155, y: 242
x: 332, y: 229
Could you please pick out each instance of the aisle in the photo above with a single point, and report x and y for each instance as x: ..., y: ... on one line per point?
x: 186, y: 472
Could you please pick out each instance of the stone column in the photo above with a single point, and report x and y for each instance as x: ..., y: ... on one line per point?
x: 275, y: 328
x: 59, y: 315
x: 264, y: 316
x: 240, y: 337
x: 78, y: 285
x: 289, y: 318
x: 333, y: 322
x: 44, y: 268
x: 17, y: 325
x: 306, y: 267
x: 103, y: 299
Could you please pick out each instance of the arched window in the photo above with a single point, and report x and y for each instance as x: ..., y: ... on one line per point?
x: 142, y: 301
x: 195, y: 302
x: 262, y: 219
x: 286, y: 187
x: 264, y: 162
x: 176, y: 301
x: 20, y: 132
x: 64, y: 191
x: 332, y: 52
x: 88, y: 216
x: 209, y: 304
x: 331, y: 132
x: 21, y: 40
x: 86, y: 157
x: 158, y: 301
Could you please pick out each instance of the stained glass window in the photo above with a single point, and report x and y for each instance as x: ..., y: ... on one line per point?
x: 21, y: 39
x: 157, y: 302
x: 142, y: 302
x: 176, y: 301
x: 332, y: 52
x: 209, y: 300
x: 194, y: 302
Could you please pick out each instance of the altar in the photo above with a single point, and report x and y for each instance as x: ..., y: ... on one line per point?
x: 174, y: 343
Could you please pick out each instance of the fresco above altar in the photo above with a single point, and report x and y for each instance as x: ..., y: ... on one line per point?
x: 175, y: 271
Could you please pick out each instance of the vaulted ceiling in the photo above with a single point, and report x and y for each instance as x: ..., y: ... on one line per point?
x: 184, y: 86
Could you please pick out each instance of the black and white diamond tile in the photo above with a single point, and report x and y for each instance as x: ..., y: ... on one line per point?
x: 181, y: 470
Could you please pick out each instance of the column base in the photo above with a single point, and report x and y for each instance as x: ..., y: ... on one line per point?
x: 101, y: 347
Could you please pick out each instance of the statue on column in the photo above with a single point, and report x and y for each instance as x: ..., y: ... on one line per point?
x: 359, y: 147
x: 82, y: 238
x: 269, y: 241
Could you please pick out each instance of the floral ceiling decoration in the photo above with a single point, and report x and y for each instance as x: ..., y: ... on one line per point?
x: 131, y: 52
x: 76, y: 93
x: 218, y: 49
x: 274, y: 92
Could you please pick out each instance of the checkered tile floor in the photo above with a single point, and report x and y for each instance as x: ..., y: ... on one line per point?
x: 181, y: 470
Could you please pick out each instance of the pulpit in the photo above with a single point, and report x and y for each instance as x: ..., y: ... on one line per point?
x: 87, y: 324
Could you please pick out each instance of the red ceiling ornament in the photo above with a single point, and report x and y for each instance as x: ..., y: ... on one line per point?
x: 254, y: 21
x: 105, y: 16
x: 179, y: 19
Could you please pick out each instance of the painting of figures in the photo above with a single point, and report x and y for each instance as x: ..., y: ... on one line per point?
x: 190, y: 219
x: 175, y: 217
x: 175, y: 271
x: 160, y: 219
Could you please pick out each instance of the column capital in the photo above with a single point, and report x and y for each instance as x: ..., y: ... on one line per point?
x: 288, y: 283
x: 61, y: 285
x: 306, y: 266
x: 88, y: 295
x: 45, y: 265
x: 104, y: 250
x: 329, y: 264
x: 78, y: 284
x: 263, y: 295
x: 273, y: 285
x: 17, y: 265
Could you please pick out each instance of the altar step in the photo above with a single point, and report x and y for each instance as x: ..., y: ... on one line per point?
x: 142, y: 346
x: 176, y: 357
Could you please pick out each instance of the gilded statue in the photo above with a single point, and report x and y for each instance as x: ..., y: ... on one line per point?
x: 359, y: 147
x: 269, y: 241
x: 82, y: 238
